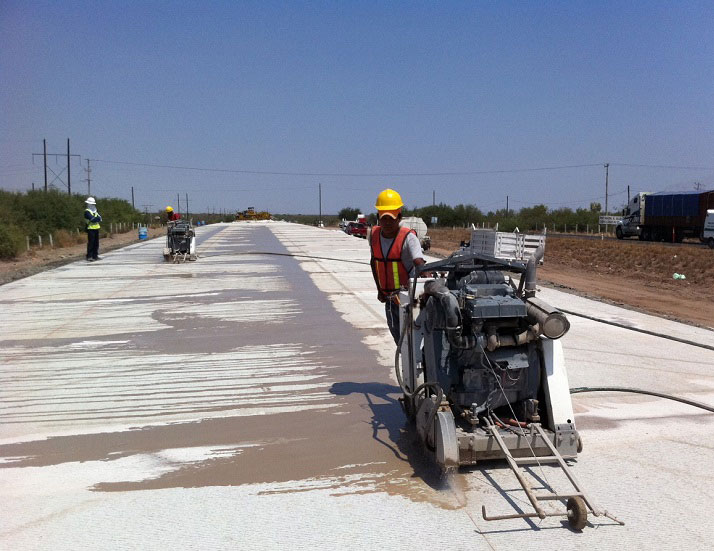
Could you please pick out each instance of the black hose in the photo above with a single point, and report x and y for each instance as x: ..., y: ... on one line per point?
x: 645, y: 331
x: 583, y: 389
x: 397, y: 354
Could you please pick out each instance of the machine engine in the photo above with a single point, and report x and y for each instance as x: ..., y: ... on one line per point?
x: 480, y: 351
x: 483, y: 374
x: 180, y: 242
x: 480, y: 346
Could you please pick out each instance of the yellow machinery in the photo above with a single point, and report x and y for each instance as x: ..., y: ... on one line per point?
x: 251, y: 214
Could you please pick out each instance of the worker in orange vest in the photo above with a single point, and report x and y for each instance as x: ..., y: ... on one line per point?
x: 395, y: 252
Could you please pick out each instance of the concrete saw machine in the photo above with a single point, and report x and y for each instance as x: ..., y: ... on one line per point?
x: 180, y: 242
x: 483, y: 375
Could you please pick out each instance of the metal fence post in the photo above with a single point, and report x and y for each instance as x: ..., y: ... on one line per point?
x: 52, y: 244
x: 27, y: 239
x: 39, y: 239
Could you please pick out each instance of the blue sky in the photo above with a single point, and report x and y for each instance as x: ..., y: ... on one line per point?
x: 359, y: 96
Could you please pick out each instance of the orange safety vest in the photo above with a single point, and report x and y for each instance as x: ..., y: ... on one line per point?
x: 388, y: 271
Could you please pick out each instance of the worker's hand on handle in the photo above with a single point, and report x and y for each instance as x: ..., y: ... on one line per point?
x: 419, y: 262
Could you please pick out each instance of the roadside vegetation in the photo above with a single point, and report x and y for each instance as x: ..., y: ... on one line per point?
x: 308, y: 219
x: 527, y: 219
x: 37, y: 214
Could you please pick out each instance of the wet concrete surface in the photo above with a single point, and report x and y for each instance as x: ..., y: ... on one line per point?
x: 247, y: 386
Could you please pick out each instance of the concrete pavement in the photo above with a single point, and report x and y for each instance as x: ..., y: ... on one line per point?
x: 225, y: 403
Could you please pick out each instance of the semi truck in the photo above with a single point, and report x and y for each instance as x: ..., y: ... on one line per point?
x: 666, y: 216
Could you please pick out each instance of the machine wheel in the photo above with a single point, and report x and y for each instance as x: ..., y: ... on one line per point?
x: 167, y: 257
x: 577, y: 513
x: 711, y: 242
x: 580, y: 444
x: 446, y: 442
x: 618, y: 232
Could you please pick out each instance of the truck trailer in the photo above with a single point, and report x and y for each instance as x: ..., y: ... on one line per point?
x: 666, y: 216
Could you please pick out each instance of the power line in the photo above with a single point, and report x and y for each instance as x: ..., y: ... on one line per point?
x: 350, y: 174
x: 672, y: 167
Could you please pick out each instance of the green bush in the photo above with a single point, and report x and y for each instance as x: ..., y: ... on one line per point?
x: 40, y: 213
x: 12, y: 241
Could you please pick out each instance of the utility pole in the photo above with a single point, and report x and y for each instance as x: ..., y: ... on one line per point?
x: 697, y: 186
x: 628, y: 195
x: 186, y: 204
x: 433, y: 198
x: 178, y: 203
x: 607, y: 172
x: 319, y: 219
x: 44, y: 145
x: 57, y: 176
x: 506, y: 205
x: 69, y: 179
x: 89, y: 178
x: 146, y: 212
x: 132, y: 197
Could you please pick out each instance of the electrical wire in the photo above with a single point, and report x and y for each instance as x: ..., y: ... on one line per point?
x: 513, y: 413
x: 672, y: 167
x: 349, y: 174
x: 583, y: 389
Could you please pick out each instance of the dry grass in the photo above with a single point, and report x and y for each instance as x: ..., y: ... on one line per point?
x: 444, y: 238
x: 629, y: 273
x: 649, y: 263
x: 64, y: 238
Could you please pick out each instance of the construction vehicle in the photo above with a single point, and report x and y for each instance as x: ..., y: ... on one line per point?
x: 666, y: 216
x: 483, y: 376
x: 180, y: 241
x: 250, y: 214
x: 419, y: 226
x: 514, y: 245
x: 708, y: 233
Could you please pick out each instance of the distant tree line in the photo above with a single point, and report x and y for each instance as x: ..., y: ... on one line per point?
x: 37, y: 212
x: 42, y: 213
x: 526, y: 219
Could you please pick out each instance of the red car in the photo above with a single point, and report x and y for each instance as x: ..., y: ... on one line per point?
x: 356, y: 228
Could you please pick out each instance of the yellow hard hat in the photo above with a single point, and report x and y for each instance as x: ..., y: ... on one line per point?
x: 169, y: 209
x: 389, y: 200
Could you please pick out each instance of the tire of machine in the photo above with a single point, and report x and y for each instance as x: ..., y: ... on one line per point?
x: 447, y: 444
x: 577, y: 513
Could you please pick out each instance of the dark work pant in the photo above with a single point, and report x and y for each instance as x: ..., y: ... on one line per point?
x: 92, y: 244
x: 392, y: 312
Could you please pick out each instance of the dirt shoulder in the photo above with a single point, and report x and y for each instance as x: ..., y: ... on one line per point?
x: 626, y: 273
x: 38, y: 260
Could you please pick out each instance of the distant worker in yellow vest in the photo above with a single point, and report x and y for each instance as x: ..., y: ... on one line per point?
x: 395, y: 252
x: 92, y: 219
